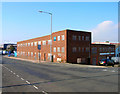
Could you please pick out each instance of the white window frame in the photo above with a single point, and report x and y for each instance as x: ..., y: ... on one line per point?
x: 31, y: 53
x: 44, y: 42
x: 49, y: 42
x: 54, y: 49
x: 63, y: 49
x: 31, y: 43
x: 63, y: 37
x: 58, y: 49
x: 39, y: 42
x: 58, y: 38
x: 35, y: 43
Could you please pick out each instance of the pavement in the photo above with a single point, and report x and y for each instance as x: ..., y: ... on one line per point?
x: 26, y: 76
x: 57, y: 63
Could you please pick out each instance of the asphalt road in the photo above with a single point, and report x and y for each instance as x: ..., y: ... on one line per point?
x: 24, y: 76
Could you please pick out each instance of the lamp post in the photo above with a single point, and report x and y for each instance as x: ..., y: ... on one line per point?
x: 51, y: 57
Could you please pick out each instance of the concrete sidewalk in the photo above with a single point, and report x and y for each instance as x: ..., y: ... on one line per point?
x: 56, y: 63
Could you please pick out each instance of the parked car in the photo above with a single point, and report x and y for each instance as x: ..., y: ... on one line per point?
x: 116, y: 60
x: 106, y: 62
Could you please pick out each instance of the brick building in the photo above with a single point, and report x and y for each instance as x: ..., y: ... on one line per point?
x: 67, y: 46
x: 101, y: 51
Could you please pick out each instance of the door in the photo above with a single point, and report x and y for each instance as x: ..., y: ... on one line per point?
x: 94, y: 61
x: 44, y: 56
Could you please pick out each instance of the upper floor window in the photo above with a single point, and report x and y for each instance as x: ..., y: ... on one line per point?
x: 35, y: 43
x: 49, y: 42
x: 94, y: 49
x: 58, y: 49
x: 74, y: 49
x: 28, y: 44
x: 31, y: 43
x: 63, y: 37
x: 79, y: 37
x: 54, y: 38
x: 82, y: 37
x: 54, y: 49
x: 39, y: 42
x: 74, y: 37
x: 62, y: 49
x: 44, y: 42
x: 87, y: 38
x: 58, y: 38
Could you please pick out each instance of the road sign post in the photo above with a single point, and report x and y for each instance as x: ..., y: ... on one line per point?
x: 39, y: 48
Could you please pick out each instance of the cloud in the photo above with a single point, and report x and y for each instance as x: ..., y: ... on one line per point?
x: 105, y: 31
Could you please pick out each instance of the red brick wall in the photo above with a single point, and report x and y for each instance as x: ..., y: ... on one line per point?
x: 72, y: 56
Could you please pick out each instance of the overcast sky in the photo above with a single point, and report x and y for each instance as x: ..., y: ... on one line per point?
x: 21, y: 21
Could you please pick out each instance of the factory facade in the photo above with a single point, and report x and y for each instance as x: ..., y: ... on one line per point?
x: 67, y: 46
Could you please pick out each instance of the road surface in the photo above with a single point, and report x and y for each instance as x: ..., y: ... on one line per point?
x: 25, y: 76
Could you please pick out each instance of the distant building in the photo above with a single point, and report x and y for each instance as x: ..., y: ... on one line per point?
x: 6, y: 46
x: 101, y: 51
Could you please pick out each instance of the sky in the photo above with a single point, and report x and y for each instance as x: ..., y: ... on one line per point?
x: 22, y: 21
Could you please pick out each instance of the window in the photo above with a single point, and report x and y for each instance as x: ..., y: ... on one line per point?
x: 94, y: 50
x: 62, y: 37
x: 31, y: 53
x: 58, y: 49
x: 54, y: 49
x: 79, y: 49
x: 39, y: 42
x: 21, y: 53
x: 54, y: 38
x: 74, y: 49
x: 82, y: 49
x: 79, y: 37
x: 28, y: 44
x: 49, y: 42
x: 82, y: 37
x: 74, y: 37
x: 31, y: 43
x: 62, y: 49
x: 87, y: 38
x: 35, y: 43
x: 58, y: 38
x: 87, y: 49
x: 28, y: 53
x: 44, y: 42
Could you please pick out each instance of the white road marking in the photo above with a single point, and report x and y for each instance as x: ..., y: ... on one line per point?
x: 44, y: 92
x: 113, y: 71
x: 35, y: 87
x: 17, y: 75
x: 104, y: 70
x: 13, y: 73
x: 22, y: 79
x: 28, y: 82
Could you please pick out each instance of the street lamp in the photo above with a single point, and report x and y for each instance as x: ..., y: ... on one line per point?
x: 51, y: 57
